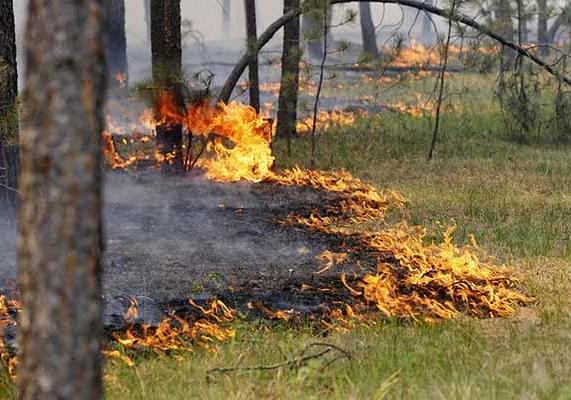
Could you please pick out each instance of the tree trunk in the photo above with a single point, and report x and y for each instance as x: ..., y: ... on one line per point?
x: 542, y: 17
x: 226, y: 28
x: 506, y: 29
x: 115, y: 43
x: 289, y: 88
x: 251, y: 39
x: 59, y: 245
x: 8, y: 107
x: 166, y: 49
x: 368, y: 31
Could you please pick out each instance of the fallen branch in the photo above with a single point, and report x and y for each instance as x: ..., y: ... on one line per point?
x: 296, y: 362
x: 269, y: 33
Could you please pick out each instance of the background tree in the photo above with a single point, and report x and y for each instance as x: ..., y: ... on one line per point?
x: 289, y: 88
x: 542, y: 16
x: 368, y: 31
x: 226, y: 24
x: 8, y: 106
x: 251, y: 39
x: 116, y: 45
x: 312, y: 27
x: 59, y: 245
x: 166, y: 48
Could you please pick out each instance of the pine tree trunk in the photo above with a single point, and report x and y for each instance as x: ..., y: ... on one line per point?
x: 60, y: 218
x: 504, y: 13
x: 116, y: 46
x: 251, y: 38
x: 166, y: 49
x: 368, y: 31
x: 289, y: 88
x: 8, y: 108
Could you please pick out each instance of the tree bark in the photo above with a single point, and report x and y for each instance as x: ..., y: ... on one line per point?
x: 251, y: 39
x: 116, y: 46
x: 289, y: 88
x: 368, y: 31
x: 166, y: 48
x: 8, y: 107
x: 59, y: 244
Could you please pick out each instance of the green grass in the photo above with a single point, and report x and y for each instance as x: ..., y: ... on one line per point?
x: 515, y: 199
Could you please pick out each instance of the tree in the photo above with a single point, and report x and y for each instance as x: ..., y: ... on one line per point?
x: 59, y: 246
x: 312, y: 26
x: 368, y: 31
x: 226, y: 18
x: 289, y: 88
x: 8, y: 106
x: 542, y: 17
x: 115, y: 42
x: 275, y: 26
x: 166, y: 48
x: 252, y: 37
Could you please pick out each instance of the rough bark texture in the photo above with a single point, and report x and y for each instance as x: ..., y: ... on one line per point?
x: 252, y: 38
x: 289, y: 88
x: 368, y: 31
x: 8, y: 106
x: 60, y: 223
x: 116, y: 46
x: 166, y: 47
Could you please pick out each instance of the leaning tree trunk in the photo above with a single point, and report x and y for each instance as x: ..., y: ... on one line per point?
x: 368, y: 31
x: 59, y: 245
x: 115, y: 42
x: 289, y: 88
x: 251, y: 38
x: 8, y: 108
x: 166, y: 50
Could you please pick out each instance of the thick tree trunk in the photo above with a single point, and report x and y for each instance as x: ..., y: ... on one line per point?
x: 251, y: 39
x: 368, y: 31
x: 289, y: 89
x: 60, y: 219
x: 166, y: 49
x: 116, y: 46
x: 8, y: 107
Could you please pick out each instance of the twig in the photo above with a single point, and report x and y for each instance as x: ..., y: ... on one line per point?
x: 442, y: 79
x: 296, y: 362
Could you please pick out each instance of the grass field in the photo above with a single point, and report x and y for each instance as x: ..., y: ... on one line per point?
x: 516, y: 200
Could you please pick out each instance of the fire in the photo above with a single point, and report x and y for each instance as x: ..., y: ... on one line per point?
x: 6, y: 320
x: 176, y: 334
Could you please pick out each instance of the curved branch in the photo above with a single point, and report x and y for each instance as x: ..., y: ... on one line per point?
x: 269, y: 33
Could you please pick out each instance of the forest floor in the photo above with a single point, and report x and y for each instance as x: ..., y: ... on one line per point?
x: 516, y: 200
